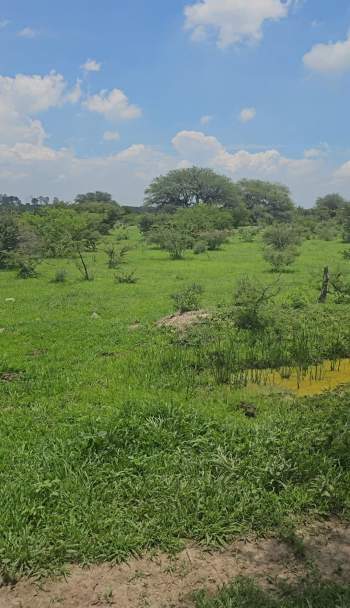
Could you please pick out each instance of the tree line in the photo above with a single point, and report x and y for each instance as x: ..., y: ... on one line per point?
x: 193, y: 208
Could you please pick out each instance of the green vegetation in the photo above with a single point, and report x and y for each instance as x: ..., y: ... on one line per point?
x: 118, y: 435
x: 245, y: 594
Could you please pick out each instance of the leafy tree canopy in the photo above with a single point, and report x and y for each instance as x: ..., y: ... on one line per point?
x: 189, y: 187
x: 267, y: 201
x: 330, y: 206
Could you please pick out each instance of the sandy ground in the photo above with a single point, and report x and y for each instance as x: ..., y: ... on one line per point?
x: 162, y: 581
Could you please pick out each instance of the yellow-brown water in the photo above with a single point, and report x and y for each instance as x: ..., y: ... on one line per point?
x: 315, y: 381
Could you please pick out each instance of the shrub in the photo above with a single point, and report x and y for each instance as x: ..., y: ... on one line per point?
x: 281, y: 237
x: 199, y: 247
x: 126, y: 278
x: 27, y: 269
x: 248, y: 234
x: 214, y: 239
x: 188, y: 299
x: 176, y: 243
x: 60, y: 276
x: 122, y: 235
x: 327, y: 231
x: 280, y: 259
x: 250, y: 302
x: 298, y: 301
x: 116, y: 257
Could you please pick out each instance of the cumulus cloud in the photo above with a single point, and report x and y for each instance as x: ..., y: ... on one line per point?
x: 111, y: 136
x: 91, y: 65
x: 247, y: 114
x: 114, y: 105
x: 28, y: 32
x: 22, y: 97
x: 233, y: 21
x: 32, y: 94
x: 333, y: 57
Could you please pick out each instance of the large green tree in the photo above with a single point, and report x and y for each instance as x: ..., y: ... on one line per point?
x: 267, y: 202
x: 183, y: 188
x: 330, y: 206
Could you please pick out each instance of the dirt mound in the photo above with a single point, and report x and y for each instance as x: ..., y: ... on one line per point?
x: 161, y: 581
x: 183, y: 320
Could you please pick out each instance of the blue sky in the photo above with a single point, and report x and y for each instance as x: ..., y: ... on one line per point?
x: 108, y: 95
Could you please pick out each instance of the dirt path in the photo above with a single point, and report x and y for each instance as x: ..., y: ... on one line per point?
x: 167, y: 582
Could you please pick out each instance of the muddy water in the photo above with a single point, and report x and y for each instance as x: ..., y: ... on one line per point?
x: 315, y: 381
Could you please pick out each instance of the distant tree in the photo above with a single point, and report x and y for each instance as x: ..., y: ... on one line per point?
x: 189, y: 187
x: 40, y: 201
x: 346, y: 224
x: 9, y: 236
x: 100, y: 203
x: 10, y: 204
x: 330, y: 206
x: 94, y: 197
x: 267, y: 202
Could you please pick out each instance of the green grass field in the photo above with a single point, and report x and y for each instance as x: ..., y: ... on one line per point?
x: 105, y: 450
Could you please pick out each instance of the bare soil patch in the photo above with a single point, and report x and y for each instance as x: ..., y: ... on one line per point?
x: 183, y: 320
x: 162, y: 581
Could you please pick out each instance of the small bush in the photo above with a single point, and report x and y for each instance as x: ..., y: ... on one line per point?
x: 188, y: 299
x: 214, y: 239
x: 248, y: 234
x: 126, y: 277
x: 60, y: 276
x: 171, y: 239
x: 298, y: 301
x: 199, y: 247
x: 250, y: 303
x: 122, y: 235
x: 27, y: 269
x: 116, y: 257
x: 282, y: 237
x: 280, y: 259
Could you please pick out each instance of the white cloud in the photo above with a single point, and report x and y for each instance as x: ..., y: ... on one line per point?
x: 4, y: 23
x: 75, y: 94
x: 247, y: 114
x: 329, y: 58
x: 28, y: 32
x: 205, y: 120
x: 28, y: 152
x: 111, y: 136
x: 32, y: 94
x: 114, y: 105
x: 320, y: 152
x: 91, y: 65
x: 233, y: 21
x: 22, y: 97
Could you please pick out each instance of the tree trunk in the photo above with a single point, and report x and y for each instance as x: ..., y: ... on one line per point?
x: 325, y: 286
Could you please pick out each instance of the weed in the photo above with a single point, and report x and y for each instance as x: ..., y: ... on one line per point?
x: 126, y: 277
